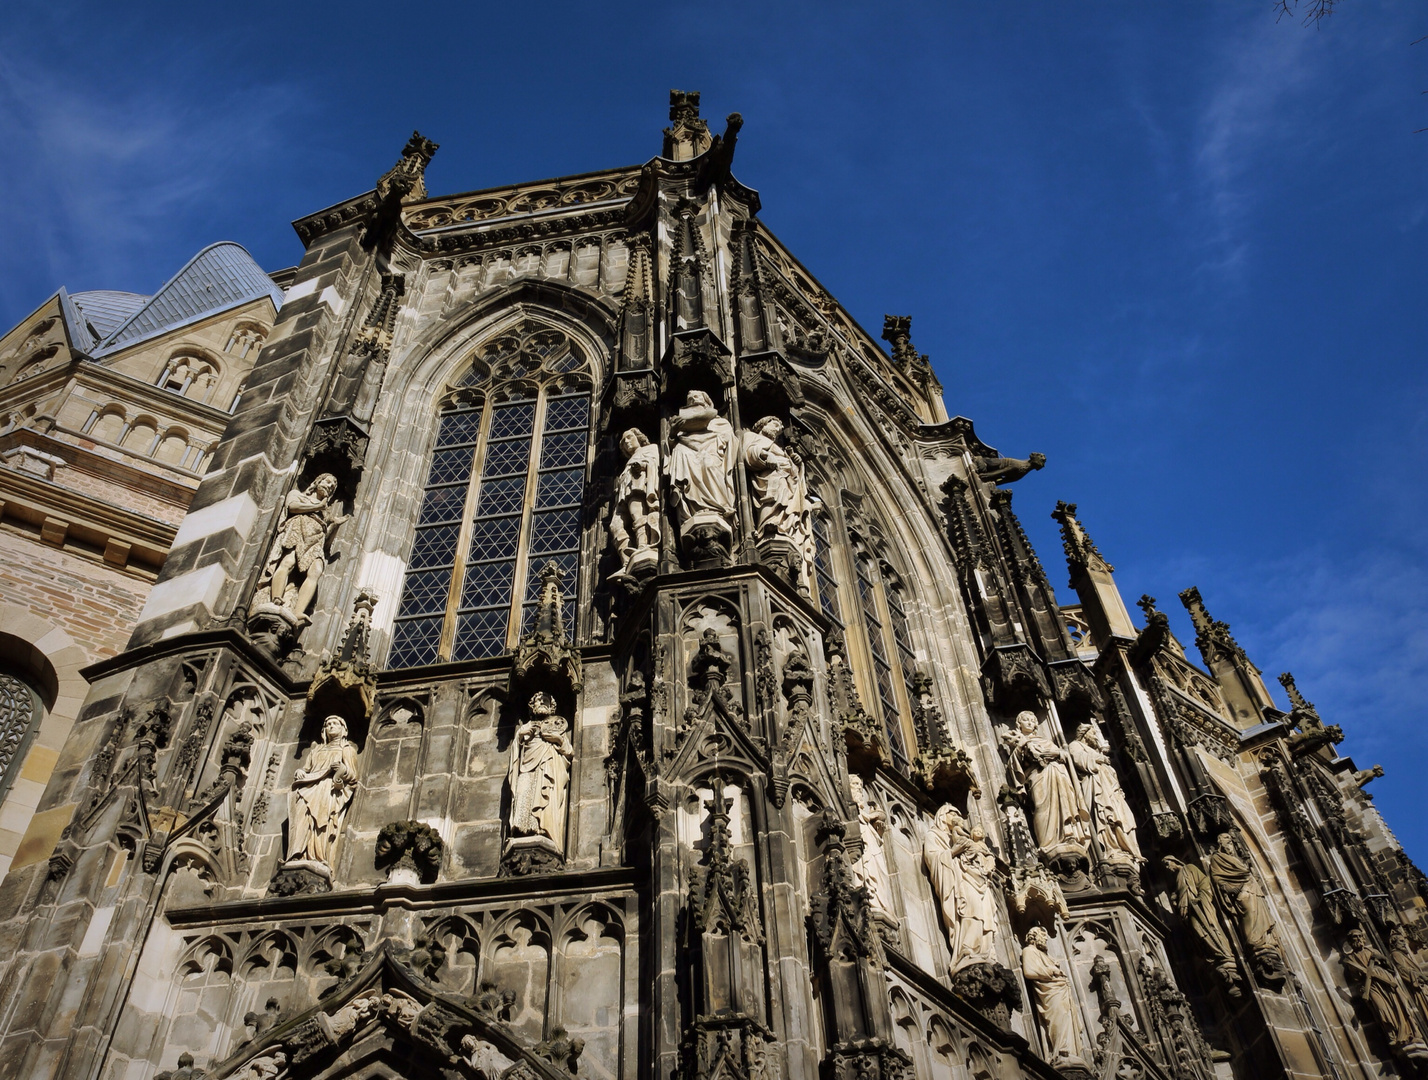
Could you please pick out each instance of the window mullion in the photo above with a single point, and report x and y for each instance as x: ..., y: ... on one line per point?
x: 463, y: 535
x: 518, y: 585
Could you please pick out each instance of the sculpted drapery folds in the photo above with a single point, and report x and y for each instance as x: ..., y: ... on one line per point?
x: 963, y: 874
x: 539, y: 774
x: 320, y: 793
x: 300, y: 553
x: 779, y: 487
x: 1038, y: 765
x: 1242, y: 898
x: 635, y: 523
x: 700, y: 464
x: 1412, y: 972
x: 1368, y: 972
x: 1195, y: 900
x: 871, y: 869
x: 1101, y: 789
x: 1051, y: 990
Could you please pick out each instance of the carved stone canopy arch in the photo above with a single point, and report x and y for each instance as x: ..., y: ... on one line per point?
x: 386, y: 1013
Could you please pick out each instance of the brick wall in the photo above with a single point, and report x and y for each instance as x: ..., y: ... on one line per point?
x: 97, y: 606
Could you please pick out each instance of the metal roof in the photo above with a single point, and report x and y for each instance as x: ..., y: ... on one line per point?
x: 221, y: 276
x: 106, y: 310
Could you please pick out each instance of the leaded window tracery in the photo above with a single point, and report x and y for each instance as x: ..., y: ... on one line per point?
x: 19, y: 718
x: 502, y: 498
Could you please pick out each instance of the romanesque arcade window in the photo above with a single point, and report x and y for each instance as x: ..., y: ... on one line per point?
x: 502, y: 498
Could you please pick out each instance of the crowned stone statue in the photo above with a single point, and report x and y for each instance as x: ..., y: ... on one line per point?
x: 539, y: 782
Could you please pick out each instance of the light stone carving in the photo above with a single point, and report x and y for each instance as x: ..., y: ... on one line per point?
x: 782, y: 502
x: 1243, y: 898
x: 635, y: 522
x: 700, y: 466
x: 300, y: 553
x: 963, y: 874
x: 871, y: 869
x: 318, y: 799
x: 488, y: 1062
x: 539, y: 778
x: 263, y: 1068
x: 1111, y: 816
x: 355, y: 1014
x: 1038, y: 765
x: 1411, y: 971
x: 1055, y: 1006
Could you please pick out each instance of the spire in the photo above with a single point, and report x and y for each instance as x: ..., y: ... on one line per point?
x: 897, y: 332
x: 407, y: 178
x: 1091, y: 576
x: 687, y: 135
x: 1239, y: 680
x: 546, y: 652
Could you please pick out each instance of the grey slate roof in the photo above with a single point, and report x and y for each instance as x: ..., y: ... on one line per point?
x: 221, y: 276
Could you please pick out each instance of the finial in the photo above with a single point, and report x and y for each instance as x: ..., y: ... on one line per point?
x: 1147, y: 604
x: 1080, y: 549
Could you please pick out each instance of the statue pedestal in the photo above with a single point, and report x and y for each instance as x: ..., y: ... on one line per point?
x: 273, y: 628
x: 298, y: 877
x: 643, y: 565
x: 784, y: 557
x: 707, y: 538
x: 531, y: 855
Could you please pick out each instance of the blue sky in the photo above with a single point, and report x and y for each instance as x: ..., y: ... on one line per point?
x: 1178, y: 248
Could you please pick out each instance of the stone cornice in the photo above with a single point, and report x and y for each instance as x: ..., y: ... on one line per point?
x: 61, y: 515
x: 570, y: 884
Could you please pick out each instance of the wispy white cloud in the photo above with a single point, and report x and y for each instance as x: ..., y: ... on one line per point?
x: 1247, y: 112
x: 102, y: 173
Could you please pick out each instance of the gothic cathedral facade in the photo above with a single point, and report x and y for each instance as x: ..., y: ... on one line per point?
x: 550, y: 639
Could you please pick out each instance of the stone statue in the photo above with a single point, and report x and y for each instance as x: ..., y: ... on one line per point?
x: 1411, y: 971
x: 1055, y: 1007
x: 1195, y: 899
x: 488, y: 1062
x: 1368, y: 972
x: 780, y: 490
x: 635, y: 523
x: 1101, y: 789
x: 1242, y: 898
x: 700, y: 466
x: 402, y: 1009
x: 354, y: 1015
x: 539, y: 776
x: 871, y: 869
x: 300, y: 553
x: 320, y: 793
x: 1037, y: 764
x: 963, y: 873
x: 263, y: 1068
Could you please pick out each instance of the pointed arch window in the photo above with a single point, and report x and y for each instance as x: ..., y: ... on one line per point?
x: 883, y: 672
x: 824, y: 574
x: 503, y: 497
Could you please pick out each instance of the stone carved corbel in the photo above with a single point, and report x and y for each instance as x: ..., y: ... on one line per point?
x: 410, y: 851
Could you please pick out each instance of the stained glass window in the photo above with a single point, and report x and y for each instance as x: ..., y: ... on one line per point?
x: 503, y: 497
